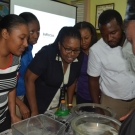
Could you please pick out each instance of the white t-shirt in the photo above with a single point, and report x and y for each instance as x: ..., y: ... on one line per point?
x: 116, y: 80
x: 129, y: 56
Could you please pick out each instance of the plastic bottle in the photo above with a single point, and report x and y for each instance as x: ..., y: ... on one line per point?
x: 62, y: 110
x: 63, y: 105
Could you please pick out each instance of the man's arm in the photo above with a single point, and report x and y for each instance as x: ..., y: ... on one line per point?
x: 94, y: 89
x: 94, y: 70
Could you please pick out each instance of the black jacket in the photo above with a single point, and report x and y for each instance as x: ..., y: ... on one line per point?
x: 50, y: 74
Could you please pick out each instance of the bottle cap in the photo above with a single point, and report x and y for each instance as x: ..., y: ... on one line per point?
x: 60, y: 112
x: 62, y: 101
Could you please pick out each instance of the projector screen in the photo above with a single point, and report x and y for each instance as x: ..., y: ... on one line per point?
x: 52, y: 17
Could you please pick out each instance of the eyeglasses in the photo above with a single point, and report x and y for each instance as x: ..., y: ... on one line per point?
x: 69, y: 50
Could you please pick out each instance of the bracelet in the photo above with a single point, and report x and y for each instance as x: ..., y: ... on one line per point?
x: 69, y: 105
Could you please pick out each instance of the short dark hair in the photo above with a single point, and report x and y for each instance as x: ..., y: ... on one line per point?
x: 108, y: 15
x: 90, y: 27
x: 10, y: 21
x: 28, y: 17
x: 67, y: 32
x: 130, y: 10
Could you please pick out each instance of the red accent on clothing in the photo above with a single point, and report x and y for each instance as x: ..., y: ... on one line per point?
x: 10, y: 62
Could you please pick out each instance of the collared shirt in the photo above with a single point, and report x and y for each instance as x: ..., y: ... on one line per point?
x: 129, y: 56
x: 50, y: 72
x: 25, y: 60
x: 115, y: 79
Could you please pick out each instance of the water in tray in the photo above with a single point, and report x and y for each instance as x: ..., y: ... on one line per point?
x: 97, y: 129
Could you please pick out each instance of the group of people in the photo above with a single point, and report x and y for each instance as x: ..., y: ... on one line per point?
x: 101, y: 71
x: 29, y: 86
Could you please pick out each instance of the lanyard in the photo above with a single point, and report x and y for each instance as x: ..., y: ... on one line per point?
x: 63, y: 88
x: 60, y: 94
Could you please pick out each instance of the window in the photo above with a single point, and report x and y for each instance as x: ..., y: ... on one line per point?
x: 80, y: 10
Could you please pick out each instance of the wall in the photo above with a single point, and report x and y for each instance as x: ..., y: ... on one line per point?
x: 119, y: 5
x: 65, y: 1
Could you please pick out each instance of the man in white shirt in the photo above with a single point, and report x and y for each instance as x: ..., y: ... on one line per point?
x: 129, y: 51
x: 110, y: 79
x: 128, y: 126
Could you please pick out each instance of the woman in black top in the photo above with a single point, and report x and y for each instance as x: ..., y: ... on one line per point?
x: 50, y: 68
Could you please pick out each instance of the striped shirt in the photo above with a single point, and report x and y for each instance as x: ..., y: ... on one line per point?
x: 8, y: 80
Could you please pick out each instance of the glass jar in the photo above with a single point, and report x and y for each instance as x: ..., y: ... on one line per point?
x: 95, y: 124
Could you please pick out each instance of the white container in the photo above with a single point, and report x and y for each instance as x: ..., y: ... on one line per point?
x: 95, y: 124
x: 38, y: 125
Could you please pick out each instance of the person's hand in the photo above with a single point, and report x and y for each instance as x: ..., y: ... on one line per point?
x: 15, y: 119
x: 124, y: 117
x: 99, y: 111
x: 25, y: 112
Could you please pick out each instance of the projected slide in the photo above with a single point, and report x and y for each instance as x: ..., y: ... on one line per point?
x: 50, y: 24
